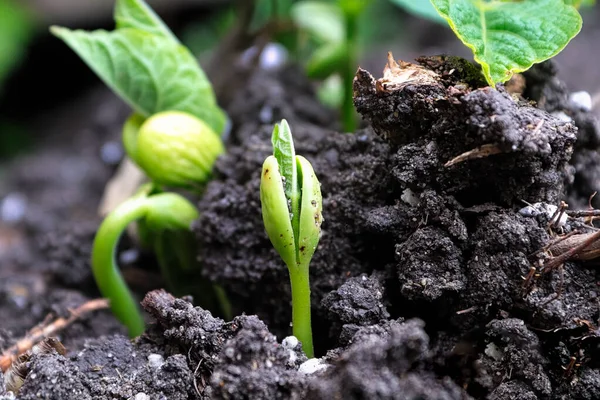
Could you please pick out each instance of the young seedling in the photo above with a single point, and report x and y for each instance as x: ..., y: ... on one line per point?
x: 290, y: 195
x: 160, y: 212
x: 173, y: 136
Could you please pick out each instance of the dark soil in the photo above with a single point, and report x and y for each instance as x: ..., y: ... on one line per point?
x: 417, y: 283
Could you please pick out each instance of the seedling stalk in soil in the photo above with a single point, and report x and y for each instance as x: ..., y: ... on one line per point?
x: 290, y: 196
x: 161, y: 212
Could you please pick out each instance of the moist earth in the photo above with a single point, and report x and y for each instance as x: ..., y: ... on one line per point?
x: 417, y: 283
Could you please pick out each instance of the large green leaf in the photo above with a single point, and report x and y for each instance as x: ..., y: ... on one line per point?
x: 152, y: 73
x: 421, y: 8
x: 510, y: 36
x: 137, y: 14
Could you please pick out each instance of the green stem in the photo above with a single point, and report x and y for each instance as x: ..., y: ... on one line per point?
x: 348, y: 113
x: 224, y: 302
x: 301, y: 323
x: 105, y: 268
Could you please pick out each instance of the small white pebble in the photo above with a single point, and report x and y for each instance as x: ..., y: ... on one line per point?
x: 535, y: 209
x: 493, y: 351
x: 312, y: 366
x: 290, y: 342
x: 155, y: 360
x: 229, y: 352
x: 410, y: 197
x: 292, y: 357
x: 273, y: 56
x: 562, y: 116
x: 129, y: 256
x: 265, y: 116
x: 13, y: 208
x: 111, y: 152
x: 141, y: 396
x: 582, y: 100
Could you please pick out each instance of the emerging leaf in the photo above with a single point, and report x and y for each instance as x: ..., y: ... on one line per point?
x: 152, y: 73
x: 510, y: 36
x: 283, y: 150
x: 293, y: 224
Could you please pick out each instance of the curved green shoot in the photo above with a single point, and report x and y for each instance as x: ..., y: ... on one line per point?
x: 161, y: 211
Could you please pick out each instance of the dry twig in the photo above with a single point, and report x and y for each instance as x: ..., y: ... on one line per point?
x: 485, y: 150
x: 44, y: 330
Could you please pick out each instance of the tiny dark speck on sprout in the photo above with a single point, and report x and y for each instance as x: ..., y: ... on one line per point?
x: 266, y: 171
x: 302, y: 249
x: 314, y: 203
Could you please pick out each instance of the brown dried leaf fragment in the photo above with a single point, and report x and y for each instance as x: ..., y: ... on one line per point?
x: 398, y: 76
x: 16, y: 374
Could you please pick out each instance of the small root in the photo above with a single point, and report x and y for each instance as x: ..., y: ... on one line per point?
x: 480, y: 152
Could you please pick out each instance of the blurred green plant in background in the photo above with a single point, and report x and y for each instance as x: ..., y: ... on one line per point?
x: 17, y: 28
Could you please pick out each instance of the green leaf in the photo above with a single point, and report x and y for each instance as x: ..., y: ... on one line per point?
x: 152, y: 73
x: 510, y: 36
x: 324, y: 21
x: 283, y: 150
x: 420, y: 8
x: 137, y: 14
